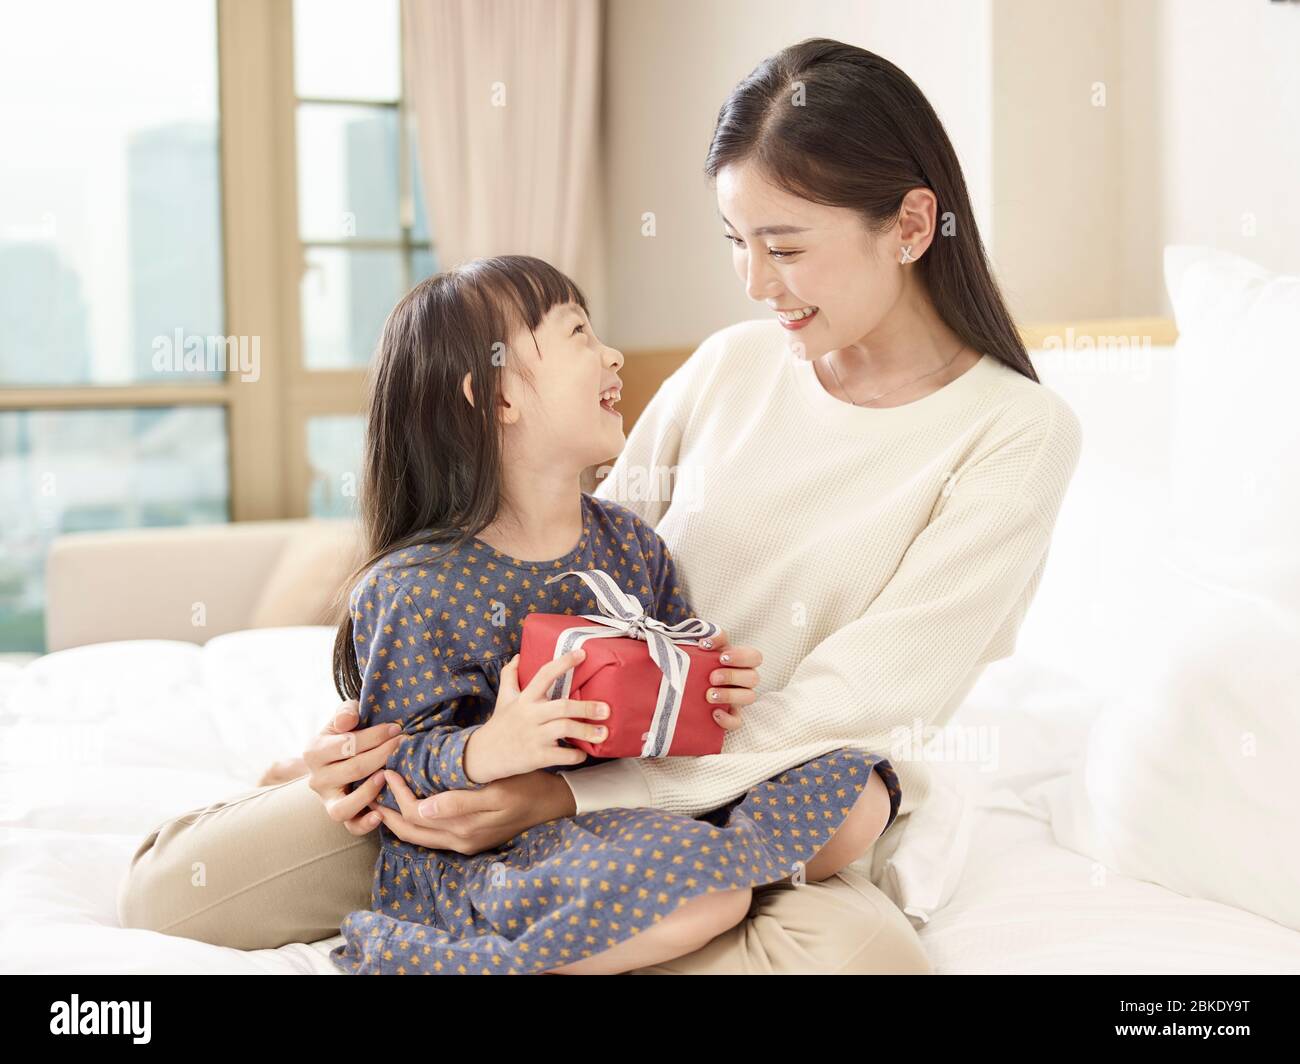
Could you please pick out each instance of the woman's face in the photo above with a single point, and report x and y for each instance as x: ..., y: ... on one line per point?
x: 795, y: 255
x: 561, y: 418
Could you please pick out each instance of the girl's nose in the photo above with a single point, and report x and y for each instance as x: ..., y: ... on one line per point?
x: 613, y: 357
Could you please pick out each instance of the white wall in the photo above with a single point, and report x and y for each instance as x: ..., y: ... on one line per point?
x: 1227, y: 81
x: 669, y: 65
x: 1199, y: 132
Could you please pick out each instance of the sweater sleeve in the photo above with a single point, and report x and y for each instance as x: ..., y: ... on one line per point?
x: 974, y: 566
x: 404, y: 681
x: 643, y: 476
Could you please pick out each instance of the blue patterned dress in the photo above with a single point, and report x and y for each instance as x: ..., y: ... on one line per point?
x: 431, y: 635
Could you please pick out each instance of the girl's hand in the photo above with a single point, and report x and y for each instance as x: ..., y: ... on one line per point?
x: 733, y: 681
x: 524, y: 730
x: 339, y: 756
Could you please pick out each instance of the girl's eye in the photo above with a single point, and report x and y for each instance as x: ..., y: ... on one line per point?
x: 577, y: 328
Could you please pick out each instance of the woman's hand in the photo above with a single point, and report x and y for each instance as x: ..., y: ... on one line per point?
x: 283, y: 771
x: 339, y: 756
x: 470, y: 821
x: 733, y: 681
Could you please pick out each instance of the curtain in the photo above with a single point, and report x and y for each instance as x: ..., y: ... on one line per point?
x: 505, y: 96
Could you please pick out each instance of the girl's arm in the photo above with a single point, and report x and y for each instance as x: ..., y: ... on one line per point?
x: 405, y: 681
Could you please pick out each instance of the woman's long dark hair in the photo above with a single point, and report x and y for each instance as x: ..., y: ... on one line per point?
x: 838, y: 125
x: 431, y: 462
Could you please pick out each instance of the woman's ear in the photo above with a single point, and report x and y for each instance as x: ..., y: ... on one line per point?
x: 917, y: 220
x: 468, y: 389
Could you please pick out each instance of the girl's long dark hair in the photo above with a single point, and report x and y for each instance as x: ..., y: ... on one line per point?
x: 838, y: 125
x: 431, y: 464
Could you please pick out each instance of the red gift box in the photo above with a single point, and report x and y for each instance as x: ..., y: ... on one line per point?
x: 658, y: 708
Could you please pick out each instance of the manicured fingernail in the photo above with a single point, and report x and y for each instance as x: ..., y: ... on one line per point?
x: 717, y: 714
x: 393, y: 729
x: 725, y: 659
x: 713, y: 696
x: 707, y: 644
x: 601, y: 731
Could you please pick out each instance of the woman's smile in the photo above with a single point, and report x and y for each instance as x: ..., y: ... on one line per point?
x: 796, y: 318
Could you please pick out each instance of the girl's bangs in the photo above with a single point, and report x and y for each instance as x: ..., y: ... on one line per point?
x: 523, y: 288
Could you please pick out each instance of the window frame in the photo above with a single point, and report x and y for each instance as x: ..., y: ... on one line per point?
x: 263, y: 263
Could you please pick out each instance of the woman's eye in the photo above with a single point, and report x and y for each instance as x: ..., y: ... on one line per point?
x: 775, y: 253
x: 577, y: 328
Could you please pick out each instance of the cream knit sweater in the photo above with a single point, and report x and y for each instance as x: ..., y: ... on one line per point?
x: 879, y: 558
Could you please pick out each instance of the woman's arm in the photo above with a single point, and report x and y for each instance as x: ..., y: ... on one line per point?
x: 470, y: 821
x: 955, y: 602
x: 476, y: 820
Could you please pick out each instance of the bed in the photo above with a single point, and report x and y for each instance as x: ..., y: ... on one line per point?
x: 88, y: 776
x: 101, y: 740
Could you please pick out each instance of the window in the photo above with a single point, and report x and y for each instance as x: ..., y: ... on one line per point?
x: 210, y: 208
x: 111, y: 269
x: 361, y: 221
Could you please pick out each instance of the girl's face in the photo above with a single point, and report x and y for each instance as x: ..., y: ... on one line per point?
x: 798, y: 256
x: 566, y: 417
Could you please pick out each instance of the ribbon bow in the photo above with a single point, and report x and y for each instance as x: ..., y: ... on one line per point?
x: 622, y: 615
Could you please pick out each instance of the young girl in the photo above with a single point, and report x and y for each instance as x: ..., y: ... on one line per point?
x: 490, y: 395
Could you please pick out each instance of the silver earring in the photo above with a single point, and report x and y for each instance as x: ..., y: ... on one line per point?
x: 906, y: 256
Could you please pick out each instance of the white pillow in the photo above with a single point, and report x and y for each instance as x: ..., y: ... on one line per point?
x: 1189, y: 780
x: 919, y: 866
x: 1115, y: 517
x: 1236, y: 446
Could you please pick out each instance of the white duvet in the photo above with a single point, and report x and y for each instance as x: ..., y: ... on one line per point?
x: 99, y: 744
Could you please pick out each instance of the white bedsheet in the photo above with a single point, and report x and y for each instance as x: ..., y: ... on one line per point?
x: 1025, y: 904
x: 99, y: 744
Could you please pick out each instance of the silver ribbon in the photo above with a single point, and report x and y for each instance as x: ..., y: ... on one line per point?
x: 623, y: 616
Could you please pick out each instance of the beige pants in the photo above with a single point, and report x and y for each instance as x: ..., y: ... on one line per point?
x: 270, y: 867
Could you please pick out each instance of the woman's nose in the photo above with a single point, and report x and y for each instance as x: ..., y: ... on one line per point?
x: 759, y: 279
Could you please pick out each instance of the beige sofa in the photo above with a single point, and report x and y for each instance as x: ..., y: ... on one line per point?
x: 196, y: 582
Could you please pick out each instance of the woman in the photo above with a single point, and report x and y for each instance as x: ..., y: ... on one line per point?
x: 875, y: 476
